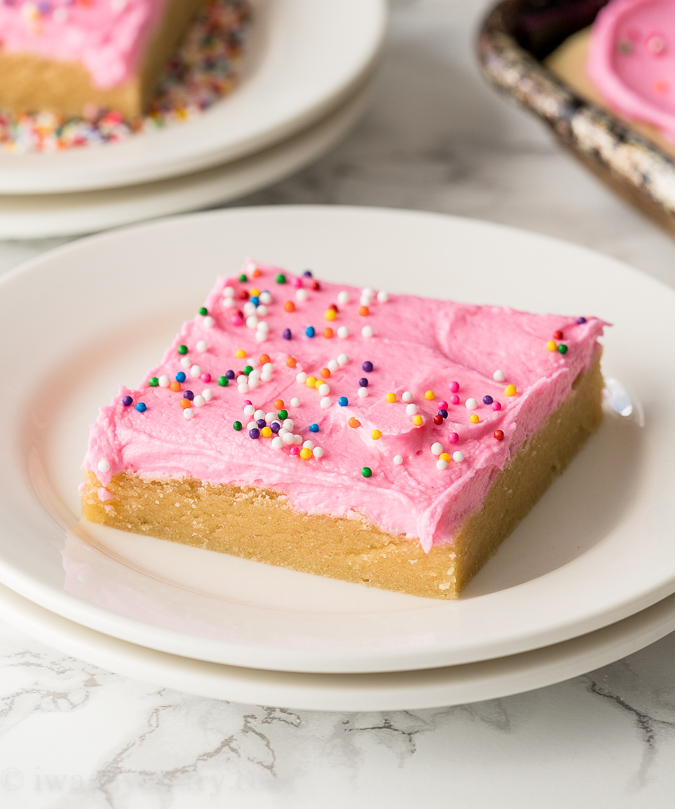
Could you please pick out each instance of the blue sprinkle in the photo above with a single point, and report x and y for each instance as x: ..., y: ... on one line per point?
x: 487, y: 400
x: 255, y: 300
x: 127, y: 400
x: 363, y: 382
x: 180, y: 377
x: 254, y: 433
x: 309, y: 331
x: 141, y: 407
x: 230, y: 374
x: 314, y: 428
x: 343, y: 401
x: 286, y: 334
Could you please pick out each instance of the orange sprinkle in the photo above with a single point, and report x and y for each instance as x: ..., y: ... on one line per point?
x: 264, y: 358
x: 354, y: 422
x: 325, y: 373
x: 185, y: 403
x: 289, y: 306
x: 256, y: 273
x: 328, y: 333
x: 364, y: 310
x: 291, y: 362
x: 175, y: 386
x: 278, y: 404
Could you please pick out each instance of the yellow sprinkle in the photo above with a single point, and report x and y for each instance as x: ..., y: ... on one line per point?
x: 255, y: 292
x: 305, y: 453
x: 375, y: 435
x: 429, y: 394
x: 330, y: 314
x: 310, y: 381
x: 319, y: 383
x: 418, y: 421
x: 473, y: 418
x: 266, y: 432
x: 444, y: 457
x: 240, y: 354
x: 551, y: 345
x: 390, y: 397
x: 510, y: 390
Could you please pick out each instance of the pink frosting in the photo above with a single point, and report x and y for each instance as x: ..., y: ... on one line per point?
x: 107, y: 36
x: 631, y: 60
x: 417, y: 345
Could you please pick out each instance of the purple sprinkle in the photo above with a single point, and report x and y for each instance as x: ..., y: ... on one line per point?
x: 443, y: 413
x: 127, y: 400
x: 229, y: 374
x: 307, y: 273
x: 254, y: 433
x: 581, y: 320
x: 487, y: 400
x: 188, y: 394
x: 363, y: 382
x: 261, y: 423
x: 286, y: 334
x: 367, y: 366
x: 275, y: 426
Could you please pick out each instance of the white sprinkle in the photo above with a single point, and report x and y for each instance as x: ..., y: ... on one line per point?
x: 207, y: 393
x: 261, y: 310
x: 308, y: 444
x: 317, y: 452
x: 263, y: 325
x: 437, y: 448
x: 209, y: 322
x: 269, y: 418
x: 406, y: 396
x: 268, y: 367
x: 343, y: 332
x: 324, y: 389
x: 333, y: 365
x: 253, y: 382
x: 199, y: 401
x: 258, y: 414
x: 367, y: 295
x: 441, y: 464
x: 104, y: 466
x: 277, y: 442
x: 260, y: 336
x: 188, y: 413
x: 60, y: 14
x: 295, y: 402
x: 471, y: 404
x: 498, y: 376
x: 398, y: 460
x: 301, y: 377
x: 228, y: 292
x: 242, y: 386
x: 458, y: 456
x: 202, y: 345
x: 185, y: 362
x: 301, y: 295
x: 411, y: 409
x: 343, y: 359
x: 288, y: 439
x: 363, y: 392
x: 195, y: 371
x: 265, y: 376
x: 266, y: 298
x: 343, y: 297
x: 367, y: 331
x: 249, y: 410
x: 255, y: 374
x: 382, y: 296
x: 325, y: 402
x: 251, y: 425
x: 297, y: 440
x: 164, y: 381
x: 229, y: 303
x: 289, y: 424
x: 248, y: 308
x: 252, y: 321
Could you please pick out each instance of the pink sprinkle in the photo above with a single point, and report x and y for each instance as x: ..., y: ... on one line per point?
x: 294, y: 451
x: 454, y: 399
x: 246, y: 402
x: 205, y: 377
x: 442, y: 405
x: 496, y: 406
x: 453, y: 438
x: 454, y: 387
x: 237, y: 320
x: 297, y: 283
x: 81, y: 487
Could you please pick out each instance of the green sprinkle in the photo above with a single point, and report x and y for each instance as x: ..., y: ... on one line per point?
x: 203, y: 311
x: 366, y: 471
x: 248, y: 369
x: 281, y: 278
x: 153, y: 381
x: 243, y: 278
x: 237, y: 425
x: 223, y: 381
x: 182, y: 349
x: 562, y: 348
x: 282, y: 414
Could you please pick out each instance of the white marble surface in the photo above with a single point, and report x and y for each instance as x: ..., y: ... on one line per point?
x: 73, y: 736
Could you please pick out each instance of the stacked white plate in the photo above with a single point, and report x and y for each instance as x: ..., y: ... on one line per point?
x: 587, y: 578
x: 305, y: 81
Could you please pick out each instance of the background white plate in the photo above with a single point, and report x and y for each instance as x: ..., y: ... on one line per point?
x: 76, y: 322
x: 394, y: 691
x: 302, y: 59
x: 33, y: 216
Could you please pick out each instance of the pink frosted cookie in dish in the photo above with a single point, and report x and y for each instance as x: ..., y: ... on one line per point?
x: 62, y: 55
x: 383, y: 439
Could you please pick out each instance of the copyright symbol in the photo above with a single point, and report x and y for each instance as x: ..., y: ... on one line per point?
x: 11, y: 778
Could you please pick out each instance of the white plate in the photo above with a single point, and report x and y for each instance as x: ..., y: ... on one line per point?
x: 392, y: 691
x: 76, y: 322
x: 33, y: 216
x: 303, y: 58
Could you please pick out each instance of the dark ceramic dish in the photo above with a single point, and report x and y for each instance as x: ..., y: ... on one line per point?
x: 514, y: 39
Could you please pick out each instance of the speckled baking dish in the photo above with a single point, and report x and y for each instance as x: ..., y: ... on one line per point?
x: 514, y: 40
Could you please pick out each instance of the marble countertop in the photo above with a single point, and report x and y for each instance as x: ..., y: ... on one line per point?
x: 77, y: 737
